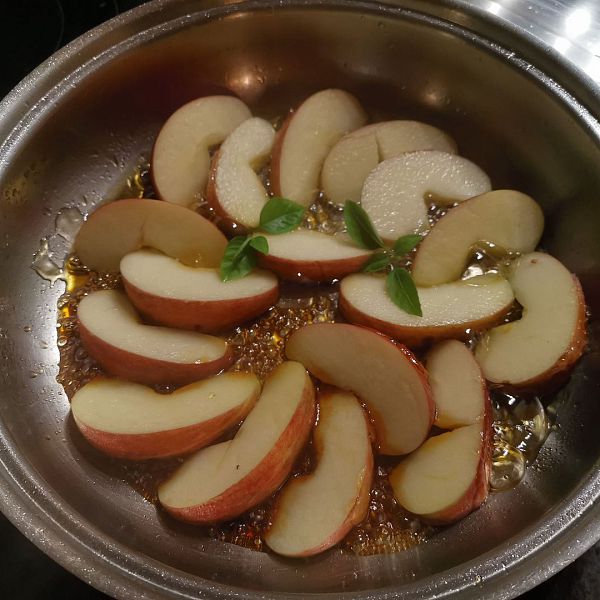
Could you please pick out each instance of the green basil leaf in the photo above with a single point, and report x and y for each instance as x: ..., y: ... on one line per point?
x: 260, y: 243
x: 402, y: 291
x: 239, y: 259
x: 377, y: 262
x: 406, y: 243
x: 360, y: 228
x: 280, y: 215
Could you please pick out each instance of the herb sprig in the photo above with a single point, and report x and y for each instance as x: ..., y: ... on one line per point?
x: 399, y: 284
x: 279, y: 215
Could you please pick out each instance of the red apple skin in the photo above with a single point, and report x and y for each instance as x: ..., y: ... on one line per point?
x: 223, y: 219
x: 558, y: 374
x: 207, y: 316
x: 478, y: 491
x: 276, y: 153
x: 143, y: 369
x: 265, y: 478
x: 355, y: 516
x: 421, y: 373
x: 163, y: 444
x: 313, y: 270
x: 418, y: 337
x: 96, y: 218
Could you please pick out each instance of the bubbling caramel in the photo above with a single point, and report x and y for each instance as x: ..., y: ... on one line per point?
x: 520, y: 425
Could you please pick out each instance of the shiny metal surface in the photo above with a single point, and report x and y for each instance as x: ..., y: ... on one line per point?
x: 569, y: 27
x: 74, y: 130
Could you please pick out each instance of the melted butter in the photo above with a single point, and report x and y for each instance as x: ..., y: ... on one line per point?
x: 521, y: 426
x: 43, y: 264
x: 68, y: 222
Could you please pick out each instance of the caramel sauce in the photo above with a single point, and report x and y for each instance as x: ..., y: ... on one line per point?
x: 520, y: 425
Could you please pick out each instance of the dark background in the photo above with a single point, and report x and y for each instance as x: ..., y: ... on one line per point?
x: 31, y: 30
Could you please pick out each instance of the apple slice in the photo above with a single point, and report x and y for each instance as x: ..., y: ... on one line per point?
x: 384, y: 375
x: 395, y: 192
x: 352, y: 159
x: 305, y: 140
x: 448, y: 310
x: 545, y: 343
x: 316, y: 511
x: 131, y: 421
x: 121, y: 227
x: 505, y: 218
x: 235, y: 191
x: 172, y: 294
x: 180, y: 158
x: 312, y: 255
x: 113, y: 335
x: 459, y: 390
x: 223, y: 481
x: 447, y: 477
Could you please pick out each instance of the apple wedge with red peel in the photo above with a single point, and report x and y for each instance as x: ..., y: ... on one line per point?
x: 384, y: 375
x: 113, y: 335
x: 448, y: 309
x: 172, y: 294
x: 459, y: 389
x: 180, y: 157
x: 235, y: 191
x: 506, y: 218
x: 131, y: 421
x: 220, y: 482
x: 351, y: 160
x: 542, y: 346
x: 313, y: 255
x: 305, y: 139
x: 124, y: 226
x: 447, y: 477
x: 395, y: 192
x: 314, y: 512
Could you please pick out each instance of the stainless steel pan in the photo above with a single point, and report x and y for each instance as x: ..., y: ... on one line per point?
x: 74, y: 130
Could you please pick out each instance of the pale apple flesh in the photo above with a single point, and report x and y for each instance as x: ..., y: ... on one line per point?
x: 395, y: 192
x: 448, y: 310
x: 313, y: 256
x: 458, y: 386
x: 125, y: 226
x: 131, y: 421
x: 112, y: 334
x: 351, y: 160
x: 543, y: 346
x: 235, y: 191
x: 447, y: 477
x: 180, y: 157
x: 175, y: 295
x: 505, y: 218
x: 384, y: 375
x: 314, y: 512
x: 305, y: 140
x: 221, y: 482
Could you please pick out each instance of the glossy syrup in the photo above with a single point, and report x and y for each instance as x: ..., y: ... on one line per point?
x: 520, y: 425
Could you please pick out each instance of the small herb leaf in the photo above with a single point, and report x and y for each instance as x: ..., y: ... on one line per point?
x: 280, y: 215
x: 260, y: 243
x: 402, y: 291
x: 360, y: 228
x: 406, y: 243
x: 377, y: 262
x: 239, y: 259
